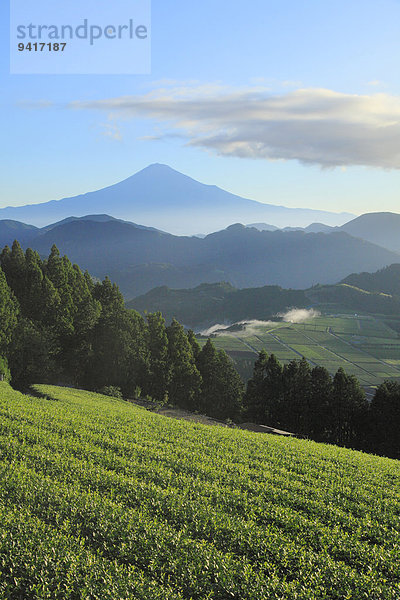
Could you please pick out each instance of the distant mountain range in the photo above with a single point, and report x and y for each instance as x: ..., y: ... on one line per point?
x: 140, y: 258
x: 161, y: 197
x: 382, y: 228
x: 312, y: 228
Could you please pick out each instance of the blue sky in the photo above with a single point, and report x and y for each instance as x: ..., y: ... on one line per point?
x: 311, y: 90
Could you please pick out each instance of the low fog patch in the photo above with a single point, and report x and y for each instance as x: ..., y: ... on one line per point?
x: 245, y: 328
x: 299, y: 315
x: 250, y: 327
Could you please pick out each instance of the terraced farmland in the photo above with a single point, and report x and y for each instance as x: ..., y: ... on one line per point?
x: 100, y: 499
x: 364, y: 346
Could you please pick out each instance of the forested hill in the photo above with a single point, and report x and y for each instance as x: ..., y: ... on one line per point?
x: 56, y: 326
x: 385, y: 280
x: 208, y: 304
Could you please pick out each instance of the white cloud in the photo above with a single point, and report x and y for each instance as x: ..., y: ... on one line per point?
x: 313, y: 126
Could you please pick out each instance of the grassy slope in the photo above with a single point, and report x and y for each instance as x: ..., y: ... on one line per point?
x: 101, y: 499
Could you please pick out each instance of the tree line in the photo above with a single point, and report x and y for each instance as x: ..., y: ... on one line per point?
x: 310, y: 402
x: 59, y: 326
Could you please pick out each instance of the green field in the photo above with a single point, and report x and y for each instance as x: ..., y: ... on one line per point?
x: 100, y: 499
x: 364, y: 346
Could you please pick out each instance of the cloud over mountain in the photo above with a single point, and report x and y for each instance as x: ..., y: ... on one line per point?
x: 313, y: 126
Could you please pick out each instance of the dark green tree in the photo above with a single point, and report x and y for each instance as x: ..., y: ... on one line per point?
x: 222, y: 388
x: 385, y: 419
x: 295, y: 400
x: 348, y: 409
x: 159, y: 373
x: 254, y: 398
x: 273, y: 392
x: 185, y: 379
x: 110, y: 341
x: 32, y: 355
x: 9, y: 310
x: 320, y: 404
x: 5, y: 374
x: 194, y: 343
x: 13, y: 265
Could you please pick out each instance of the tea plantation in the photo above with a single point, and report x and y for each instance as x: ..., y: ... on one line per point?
x: 363, y: 346
x: 100, y: 499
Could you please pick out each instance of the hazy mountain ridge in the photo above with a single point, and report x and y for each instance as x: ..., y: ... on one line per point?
x: 140, y: 258
x: 161, y: 197
x: 382, y: 228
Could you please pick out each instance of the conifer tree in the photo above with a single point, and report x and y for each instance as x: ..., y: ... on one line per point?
x: 294, y: 413
x: 222, y: 388
x: 159, y: 373
x: 32, y: 354
x: 385, y: 419
x: 273, y: 390
x: 254, y: 398
x: 320, y: 403
x: 185, y: 379
x: 9, y: 310
x: 194, y: 343
x: 13, y: 265
x: 110, y: 340
x: 348, y: 407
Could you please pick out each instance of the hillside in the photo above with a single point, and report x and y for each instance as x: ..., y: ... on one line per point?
x: 208, y: 304
x: 385, y: 280
x: 106, y: 500
x: 14, y: 230
x: 345, y: 295
x: 164, y: 198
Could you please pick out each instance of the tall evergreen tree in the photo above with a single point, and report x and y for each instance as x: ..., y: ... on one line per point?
x: 254, y: 398
x: 185, y: 379
x: 385, y: 417
x: 33, y: 354
x: 320, y: 403
x: 58, y: 271
x: 348, y: 408
x: 295, y: 400
x: 110, y: 340
x: 139, y: 355
x: 222, y: 389
x: 273, y: 392
x: 194, y: 343
x: 13, y: 265
x: 159, y: 374
x: 9, y: 310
